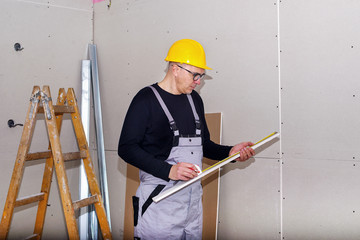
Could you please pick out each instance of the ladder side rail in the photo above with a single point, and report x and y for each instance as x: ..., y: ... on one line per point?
x: 48, y: 173
x: 18, y: 171
x: 89, y: 169
x: 60, y: 167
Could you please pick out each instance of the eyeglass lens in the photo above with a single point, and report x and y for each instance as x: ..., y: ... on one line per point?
x: 196, y: 76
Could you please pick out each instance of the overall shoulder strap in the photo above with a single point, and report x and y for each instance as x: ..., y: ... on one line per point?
x: 166, y: 111
x: 196, y: 116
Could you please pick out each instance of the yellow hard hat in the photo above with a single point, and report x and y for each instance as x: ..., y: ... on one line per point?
x: 187, y: 51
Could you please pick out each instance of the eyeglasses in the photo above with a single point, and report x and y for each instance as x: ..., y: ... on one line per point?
x: 196, y: 76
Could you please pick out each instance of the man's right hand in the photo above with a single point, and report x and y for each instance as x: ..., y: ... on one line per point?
x: 183, y: 171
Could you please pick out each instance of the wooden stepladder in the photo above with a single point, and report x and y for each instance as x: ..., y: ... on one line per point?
x: 66, y: 103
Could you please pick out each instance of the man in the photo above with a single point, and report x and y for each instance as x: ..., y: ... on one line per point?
x: 165, y: 135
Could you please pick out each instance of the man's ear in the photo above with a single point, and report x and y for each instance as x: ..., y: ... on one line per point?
x: 174, y: 69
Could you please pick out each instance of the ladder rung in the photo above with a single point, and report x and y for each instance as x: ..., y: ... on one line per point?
x: 59, y: 109
x: 34, y: 236
x: 30, y: 199
x: 67, y: 156
x: 85, y: 202
x: 38, y: 155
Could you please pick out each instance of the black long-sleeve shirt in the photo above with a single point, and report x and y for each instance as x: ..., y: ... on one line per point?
x: 146, y: 138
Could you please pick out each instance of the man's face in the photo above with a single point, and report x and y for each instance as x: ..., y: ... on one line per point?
x: 185, y: 78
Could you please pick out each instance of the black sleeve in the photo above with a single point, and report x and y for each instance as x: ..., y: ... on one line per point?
x: 130, y: 147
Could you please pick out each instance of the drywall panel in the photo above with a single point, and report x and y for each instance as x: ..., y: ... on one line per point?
x: 133, y: 38
x: 242, y: 50
x: 320, y: 79
x: 250, y: 200
x: 54, y: 36
x: 318, y: 100
x: 51, y: 55
x: 78, y: 5
x: 240, y: 40
x: 320, y: 132
x: 320, y: 199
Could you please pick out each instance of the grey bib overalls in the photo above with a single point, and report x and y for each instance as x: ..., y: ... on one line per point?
x: 178, y: 216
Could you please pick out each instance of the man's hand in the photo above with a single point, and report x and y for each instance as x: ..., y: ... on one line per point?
x: 183, y: 171
x: 245, y: 150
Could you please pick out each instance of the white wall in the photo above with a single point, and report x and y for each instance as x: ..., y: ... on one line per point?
x: 286, y: 66
x: 55, y: 35
x: 320, y: 115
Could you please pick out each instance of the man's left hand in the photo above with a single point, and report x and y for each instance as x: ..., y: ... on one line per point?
x: 245, y: 150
